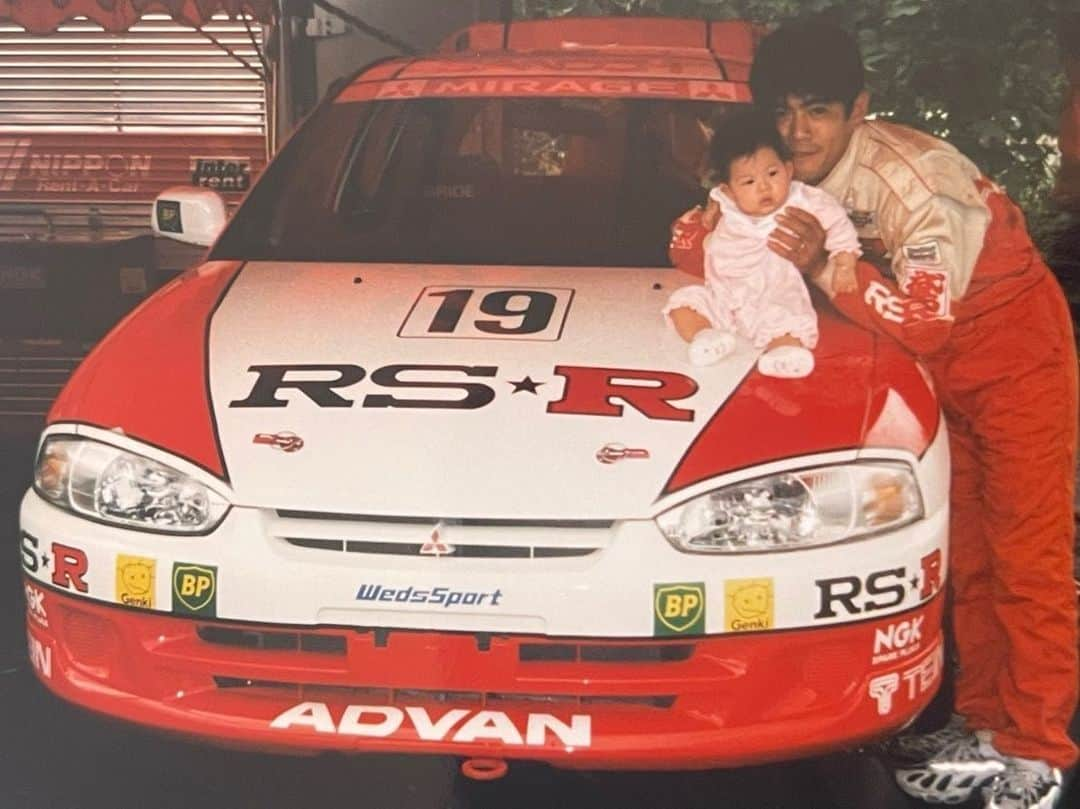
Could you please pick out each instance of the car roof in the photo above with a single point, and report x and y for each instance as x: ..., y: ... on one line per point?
x: 649, y: 57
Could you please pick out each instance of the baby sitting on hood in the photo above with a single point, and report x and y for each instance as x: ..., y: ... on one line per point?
x: 749, y: 290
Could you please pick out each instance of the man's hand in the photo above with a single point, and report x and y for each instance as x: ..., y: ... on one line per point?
x: 800, y: 239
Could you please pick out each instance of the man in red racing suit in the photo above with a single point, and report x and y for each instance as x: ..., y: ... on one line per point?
x: 950, y: 272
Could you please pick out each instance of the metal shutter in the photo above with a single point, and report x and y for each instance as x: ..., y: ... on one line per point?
x: 94, y: 124
x: 157, y: 77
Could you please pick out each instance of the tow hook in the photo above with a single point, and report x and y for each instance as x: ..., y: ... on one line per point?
x: 484, y: 769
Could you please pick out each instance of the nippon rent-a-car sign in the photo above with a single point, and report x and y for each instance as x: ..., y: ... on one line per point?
x: 131, y: 166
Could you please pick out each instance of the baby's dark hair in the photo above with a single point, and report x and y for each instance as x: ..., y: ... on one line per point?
x: 811, y: 58
x: 740, y: 134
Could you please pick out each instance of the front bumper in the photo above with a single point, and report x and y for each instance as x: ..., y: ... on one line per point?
x: 287, y: 632
x: 690, y: 702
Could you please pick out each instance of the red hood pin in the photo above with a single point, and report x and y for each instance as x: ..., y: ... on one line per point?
x: 286, y: 442
x: 610, y: 453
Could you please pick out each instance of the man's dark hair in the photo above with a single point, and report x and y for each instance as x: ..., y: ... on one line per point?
x: 740, y: 134
x: 810, y: 59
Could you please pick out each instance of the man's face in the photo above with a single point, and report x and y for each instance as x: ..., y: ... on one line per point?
x: 817, y: 132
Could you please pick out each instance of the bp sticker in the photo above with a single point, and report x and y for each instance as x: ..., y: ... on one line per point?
x: 679, y: 609
x: 194, y: 590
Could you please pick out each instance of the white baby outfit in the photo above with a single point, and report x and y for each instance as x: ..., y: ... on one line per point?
x: 751, y: 291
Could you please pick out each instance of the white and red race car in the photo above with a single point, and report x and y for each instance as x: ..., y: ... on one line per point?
x: 412, y: 463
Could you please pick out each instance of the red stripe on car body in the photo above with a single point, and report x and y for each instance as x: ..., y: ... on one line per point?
x: 769, y: 419
x: 150, y: 377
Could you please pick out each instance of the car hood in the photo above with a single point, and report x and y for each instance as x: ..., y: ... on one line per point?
x: 439, y: 399
x: 488, y: 392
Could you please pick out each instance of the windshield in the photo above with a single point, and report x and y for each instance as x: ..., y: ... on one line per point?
x: 563, y: 181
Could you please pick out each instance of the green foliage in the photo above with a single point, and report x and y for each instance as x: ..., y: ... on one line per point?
x: 983, y: 74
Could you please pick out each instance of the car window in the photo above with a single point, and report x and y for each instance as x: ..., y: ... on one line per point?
x: 563, y: 181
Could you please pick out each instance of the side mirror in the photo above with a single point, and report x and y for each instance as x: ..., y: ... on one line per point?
x: 190, y: 215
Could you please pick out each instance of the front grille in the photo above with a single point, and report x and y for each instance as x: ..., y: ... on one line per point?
x: 89, y: 638
x: 643, y: 653
x: 457, y: 538
x: 494, y: 522
x: 389, y: 696
x: 604, y: 653
x: 273, y: 641
x: 459, y: 551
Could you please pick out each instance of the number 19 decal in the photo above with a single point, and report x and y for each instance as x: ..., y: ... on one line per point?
x: 488, y: 313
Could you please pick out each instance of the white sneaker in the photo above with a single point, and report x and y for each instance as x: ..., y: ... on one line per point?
x: 709, y: 346
x: 954, y: 773
x: 786, y: 362
x: 909, y: 749
x: 1025, y: 784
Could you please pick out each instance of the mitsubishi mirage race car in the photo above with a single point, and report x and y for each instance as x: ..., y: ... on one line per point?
x: 413, y: 463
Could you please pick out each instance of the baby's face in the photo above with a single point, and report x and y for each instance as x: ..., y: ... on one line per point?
x: 759, y: 183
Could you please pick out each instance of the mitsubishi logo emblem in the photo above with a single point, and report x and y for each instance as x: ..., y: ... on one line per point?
x: 435, y: 546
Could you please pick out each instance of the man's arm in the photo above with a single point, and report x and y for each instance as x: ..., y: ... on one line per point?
x: 937, y: 245
x: 687, y: 246
x: 914, y: 320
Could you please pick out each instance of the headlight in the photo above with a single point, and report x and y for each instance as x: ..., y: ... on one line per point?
x: 796, y: 509
x: 105, y: 483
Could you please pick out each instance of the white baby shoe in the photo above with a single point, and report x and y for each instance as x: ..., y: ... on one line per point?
x: 709, y: 346
x: 786, y: 362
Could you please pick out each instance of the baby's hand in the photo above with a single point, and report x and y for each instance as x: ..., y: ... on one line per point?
x: 709, y: 346
x: 843, y: 276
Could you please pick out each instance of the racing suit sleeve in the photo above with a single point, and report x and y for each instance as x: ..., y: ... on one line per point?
x: 686, y: 250
x: 933, y: 247
x: 840, y: 234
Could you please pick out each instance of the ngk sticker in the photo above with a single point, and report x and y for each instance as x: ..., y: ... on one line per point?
x: 35, y: 605
x: 898, y: 640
